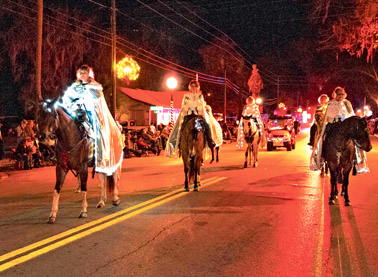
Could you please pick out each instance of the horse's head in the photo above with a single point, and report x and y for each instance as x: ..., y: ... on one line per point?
x: 361, y: 135
x: 249, y: 127
x: 46, y: 119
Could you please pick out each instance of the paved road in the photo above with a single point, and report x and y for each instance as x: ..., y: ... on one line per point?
x: 273, y: 220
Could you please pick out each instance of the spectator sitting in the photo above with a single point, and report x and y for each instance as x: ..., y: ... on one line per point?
x: 144, y: 146
x: 23, y: 155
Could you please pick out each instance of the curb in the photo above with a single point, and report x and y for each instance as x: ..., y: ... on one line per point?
x: 3, y: 175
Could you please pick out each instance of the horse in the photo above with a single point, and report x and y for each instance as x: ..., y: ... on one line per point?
x: 73, y: 153
x: 339, y: 151
x: 191, y: 147
x: 252, y: 137
x: 216, y: 149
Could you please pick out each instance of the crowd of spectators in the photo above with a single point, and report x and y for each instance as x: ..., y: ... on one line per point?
x: 29, y: 152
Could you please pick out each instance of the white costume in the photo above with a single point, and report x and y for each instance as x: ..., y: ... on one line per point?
x: 336, y: 111
x: 250, y: 110
x: 108, y: 137
x: 192, y: 103
x: 216, y: 129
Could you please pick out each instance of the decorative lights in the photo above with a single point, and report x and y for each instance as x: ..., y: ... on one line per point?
x: 128, y: 69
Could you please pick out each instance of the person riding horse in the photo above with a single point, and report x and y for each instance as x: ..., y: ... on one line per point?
x: 85, y: 98
x: 193, y: 105
x: 320, y: 111
x: 338, y: 109
x: 250, y: 111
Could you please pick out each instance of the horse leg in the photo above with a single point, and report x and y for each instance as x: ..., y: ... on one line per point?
x: 102, y: 179
x: 333, y: 187
x: 217, y: 149
x: 60, y: 176
x: 246, y: 157
x: 255, y: 151
x: 79, y: 185
x: 83, y: 177
x: 250, y: 153
x: 195, y: 181
x: 345, y: 187
x: 117, y: 177
x: 186, y: 169
x: 212, y: 155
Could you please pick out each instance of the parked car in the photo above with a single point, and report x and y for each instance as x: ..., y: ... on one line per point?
x: 280, y: 132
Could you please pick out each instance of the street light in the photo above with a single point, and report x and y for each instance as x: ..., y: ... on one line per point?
x: 171, y: 84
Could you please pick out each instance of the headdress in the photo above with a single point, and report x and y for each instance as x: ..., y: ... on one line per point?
x: 323, y: 95
x: 194, y: 82
x: 338, y: 89
x: 86, y: 68
x: 250, y: 100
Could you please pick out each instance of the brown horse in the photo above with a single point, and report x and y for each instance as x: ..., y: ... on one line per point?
x: 339, y: 151
x: 191, y: 146
x: 252, y: 137
x: 73, y: 153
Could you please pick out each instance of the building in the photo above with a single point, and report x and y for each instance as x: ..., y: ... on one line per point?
x: 146, y: 107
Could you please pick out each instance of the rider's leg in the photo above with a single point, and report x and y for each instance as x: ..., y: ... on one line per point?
x: 313, y: 129
x: 209, y: 140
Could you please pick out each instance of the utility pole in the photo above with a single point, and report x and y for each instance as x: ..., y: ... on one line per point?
x: 225, y: 96
x: 38, y: 63
x: 278, y: 90
x: 114, y: 60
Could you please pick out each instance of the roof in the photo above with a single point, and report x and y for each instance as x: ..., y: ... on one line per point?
x: 156, y: 98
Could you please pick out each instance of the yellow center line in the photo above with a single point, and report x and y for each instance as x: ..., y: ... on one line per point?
x: 85, y: 233
x: 85, y: 226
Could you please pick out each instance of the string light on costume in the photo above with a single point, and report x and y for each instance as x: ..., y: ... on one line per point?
x: 128, y: 69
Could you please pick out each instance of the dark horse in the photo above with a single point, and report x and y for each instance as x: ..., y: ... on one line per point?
x: 339, y: 151
x: 252, y: 137
x: 73, y: 152
x: 192, y: 144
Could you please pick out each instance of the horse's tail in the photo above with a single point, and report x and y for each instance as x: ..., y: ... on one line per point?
x: 111, y: 183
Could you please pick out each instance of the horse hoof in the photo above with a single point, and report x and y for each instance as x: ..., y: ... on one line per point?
x: 186, y: 189
x: 255, y: 164
x: 100, y: 205
x: 51, y: 220
x: 195, y: 189
x: 347, y: 204
x: 245, y: 165
x: 342, y: 193
x: 331, y: 202
x: 211, y: 161
x: 78, y: 190
x: 83, y: 215
x: 116, y: 202
x: 217, y: 161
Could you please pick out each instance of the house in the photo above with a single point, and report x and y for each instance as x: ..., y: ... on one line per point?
x: 146, y: 107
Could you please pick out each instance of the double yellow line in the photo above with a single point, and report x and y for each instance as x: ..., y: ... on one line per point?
x: 82, y: 231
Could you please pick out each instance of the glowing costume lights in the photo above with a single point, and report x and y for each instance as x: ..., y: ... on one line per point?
x: 106, y: 134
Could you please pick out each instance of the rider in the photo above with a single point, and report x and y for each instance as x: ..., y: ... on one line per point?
x: 318, y: 118
x: 250, y: 111
x: 86, y: 94
x: 338, y: 109
x: 192, y: 105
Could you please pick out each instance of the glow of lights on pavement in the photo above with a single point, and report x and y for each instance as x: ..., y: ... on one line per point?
x: 82, y: 231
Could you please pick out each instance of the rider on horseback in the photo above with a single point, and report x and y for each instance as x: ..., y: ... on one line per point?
x: 84, y: 100
x: 318, y: 119
x: 250, y: 111
x: 338, y: 109
x: 193, y: 105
